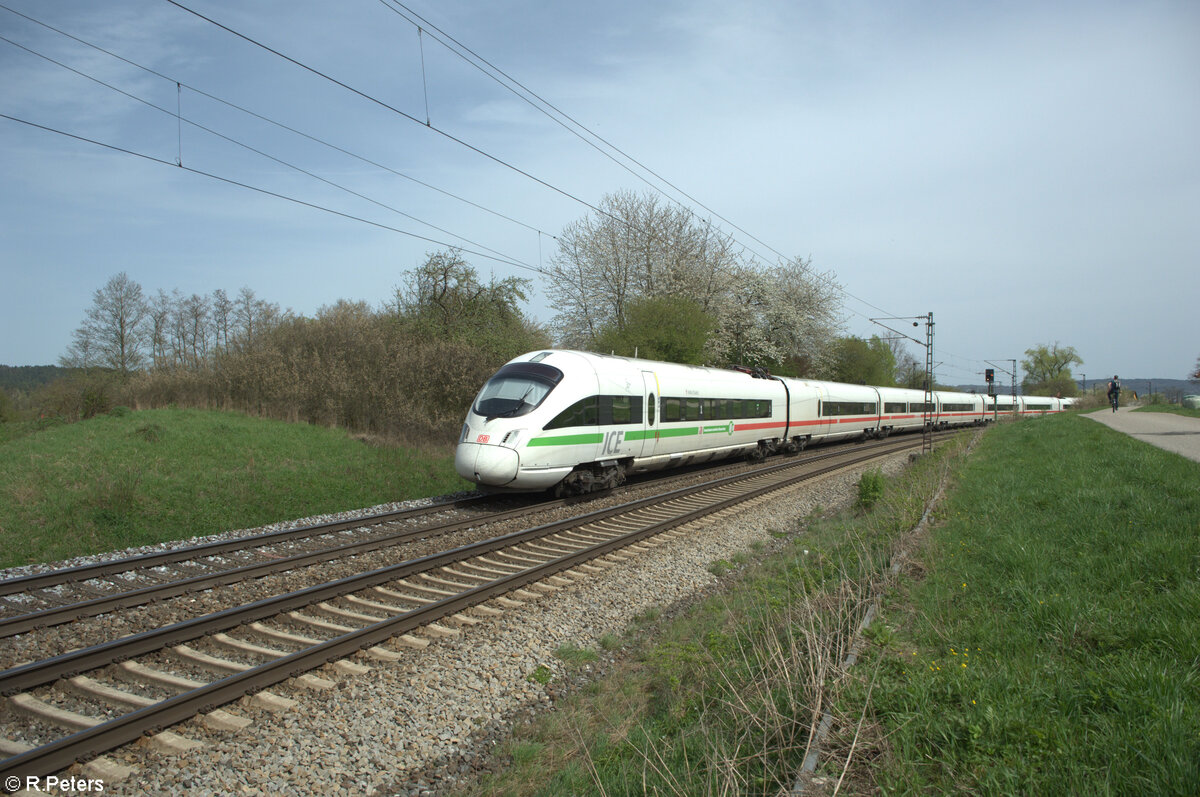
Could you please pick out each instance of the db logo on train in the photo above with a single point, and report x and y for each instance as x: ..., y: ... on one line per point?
x: 483, y: 438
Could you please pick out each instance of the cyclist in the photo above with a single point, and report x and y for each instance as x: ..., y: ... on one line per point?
x: 1114, y: 392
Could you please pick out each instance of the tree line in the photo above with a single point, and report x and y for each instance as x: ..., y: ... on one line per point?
x: 405, y: 370
x: 637, y: 278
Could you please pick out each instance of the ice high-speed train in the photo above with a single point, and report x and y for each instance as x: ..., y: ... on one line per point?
x: 578, y: 422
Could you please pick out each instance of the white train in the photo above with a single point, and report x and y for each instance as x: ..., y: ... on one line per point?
x: 578, y: 422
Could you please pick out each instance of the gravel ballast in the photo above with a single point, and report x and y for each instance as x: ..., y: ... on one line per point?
x: 419, y: 724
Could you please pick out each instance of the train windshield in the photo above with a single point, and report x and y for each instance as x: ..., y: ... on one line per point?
x: 516, y: 389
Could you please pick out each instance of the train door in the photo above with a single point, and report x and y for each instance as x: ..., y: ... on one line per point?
x: 819, y: 424
x: 650, y: 417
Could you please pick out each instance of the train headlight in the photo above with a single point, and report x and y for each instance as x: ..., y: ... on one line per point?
x: 462, y: 438
x: 513, y: 438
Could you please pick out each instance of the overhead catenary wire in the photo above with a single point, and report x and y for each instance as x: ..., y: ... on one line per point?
x: 546, y: 107
x: 179, y: 161
x: 277, y: 123
x: 393, y: 109
x: 550, y: 111
x: 542, y: 105
x: 456, y: 139
x: 424, y: 81
x: 267, y: 192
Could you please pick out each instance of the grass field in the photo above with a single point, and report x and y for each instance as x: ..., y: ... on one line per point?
x: 1051, y: 646
x: 1187, y: 412
x: 1042, y: 640
x: 135, y: 478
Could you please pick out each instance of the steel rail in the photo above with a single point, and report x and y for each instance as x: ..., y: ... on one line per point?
x: 69, y: 612
x: 53, y: 578
x: 66, y: 665
x: 68, y: 575
x: 41, y: 618
x: 129, y: 727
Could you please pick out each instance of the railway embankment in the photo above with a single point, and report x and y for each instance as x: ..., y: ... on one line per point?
x: 1038, y: 638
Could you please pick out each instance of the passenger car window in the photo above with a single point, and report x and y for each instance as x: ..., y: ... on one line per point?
x: 584, y: 412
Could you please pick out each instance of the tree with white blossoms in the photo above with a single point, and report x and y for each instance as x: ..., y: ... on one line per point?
x: 641, y: 248
x: 798, y: 315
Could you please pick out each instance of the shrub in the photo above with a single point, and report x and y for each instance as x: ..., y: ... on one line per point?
x: 79, y: 396
x: 870, y: 489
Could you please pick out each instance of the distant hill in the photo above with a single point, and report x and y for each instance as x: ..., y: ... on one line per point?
x: 1138, y: 385
x: 26, y: 378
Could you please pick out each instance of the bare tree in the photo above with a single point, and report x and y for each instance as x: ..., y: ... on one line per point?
x: 160, y: 313
x: 252, y: 317
x: 637, y: 248
x: 910, y: 372
x: 444, y: 298
x: 222, y: 317
x: 194, y: 312
x: 113, y: 333
x: 179, y: 330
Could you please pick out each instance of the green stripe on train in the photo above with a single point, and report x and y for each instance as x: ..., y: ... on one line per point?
x: 630, y: 436
x: 567, y: 440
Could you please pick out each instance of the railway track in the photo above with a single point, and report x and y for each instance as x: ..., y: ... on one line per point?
x: 42, y: 600
x: 137, y: 580
x: 77, y: 705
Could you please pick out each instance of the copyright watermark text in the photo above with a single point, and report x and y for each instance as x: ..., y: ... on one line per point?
x: 14, y: 783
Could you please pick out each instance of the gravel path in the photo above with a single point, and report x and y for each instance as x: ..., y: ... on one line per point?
x: 419, y: 724
x: 1163, y: 429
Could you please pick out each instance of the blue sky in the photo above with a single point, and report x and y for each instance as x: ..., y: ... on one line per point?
x: 1027, y: 171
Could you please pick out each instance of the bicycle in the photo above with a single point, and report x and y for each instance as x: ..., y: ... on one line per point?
x: 1114, y: 399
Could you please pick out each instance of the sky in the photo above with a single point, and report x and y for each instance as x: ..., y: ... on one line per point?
x: 1028, y: 172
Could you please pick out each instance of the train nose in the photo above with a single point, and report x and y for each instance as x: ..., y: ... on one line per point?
x: 486, y: 464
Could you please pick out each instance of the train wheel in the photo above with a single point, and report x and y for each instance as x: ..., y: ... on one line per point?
x: 611, y: 478
x: 590, y: 479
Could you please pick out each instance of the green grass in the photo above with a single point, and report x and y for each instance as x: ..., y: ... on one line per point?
x: 1175, y: 409
x: 575, y: 656
x: 1052, y: 647
x: 136, y: 478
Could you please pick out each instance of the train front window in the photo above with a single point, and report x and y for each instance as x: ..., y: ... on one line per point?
x: 517, y: 389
